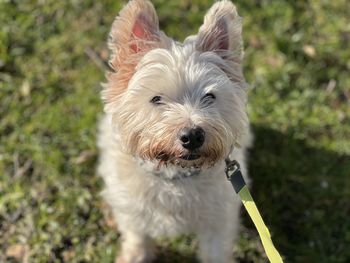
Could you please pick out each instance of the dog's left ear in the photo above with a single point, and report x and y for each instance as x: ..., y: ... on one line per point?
x: 221, y: 31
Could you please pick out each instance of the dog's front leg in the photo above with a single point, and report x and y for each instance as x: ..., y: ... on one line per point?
x: 217, y: 234
x: 215, y: 247
x: 135, y: 248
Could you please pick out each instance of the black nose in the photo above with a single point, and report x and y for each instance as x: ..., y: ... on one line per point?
x: 192, y: 138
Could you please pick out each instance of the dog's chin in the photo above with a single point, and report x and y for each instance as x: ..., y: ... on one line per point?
x: 192, y: 161
x: 190, y: 157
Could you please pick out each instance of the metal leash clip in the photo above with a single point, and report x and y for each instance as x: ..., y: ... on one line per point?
x: 234, y: 174
x: 231, y: 167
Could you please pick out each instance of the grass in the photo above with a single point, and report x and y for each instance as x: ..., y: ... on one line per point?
x: 297, y: 62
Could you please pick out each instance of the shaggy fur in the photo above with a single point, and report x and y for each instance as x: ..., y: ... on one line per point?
x: 151, y: 185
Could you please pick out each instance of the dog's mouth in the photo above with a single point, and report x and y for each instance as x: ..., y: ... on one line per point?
x: 185, y: 159
x: 190, y: 157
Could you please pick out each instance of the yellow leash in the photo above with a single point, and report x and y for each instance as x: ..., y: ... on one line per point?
x: 234, y: 175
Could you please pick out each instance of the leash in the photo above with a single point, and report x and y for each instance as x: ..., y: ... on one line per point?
x: 234, y: 175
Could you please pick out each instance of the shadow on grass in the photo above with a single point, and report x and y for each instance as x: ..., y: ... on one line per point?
x: 303, y: 194
x: 168, y: 255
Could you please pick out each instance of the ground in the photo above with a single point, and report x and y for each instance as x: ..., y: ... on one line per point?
x: 52, y: 60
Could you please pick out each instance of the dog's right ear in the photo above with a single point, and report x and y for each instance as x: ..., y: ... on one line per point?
x: 135, y: 30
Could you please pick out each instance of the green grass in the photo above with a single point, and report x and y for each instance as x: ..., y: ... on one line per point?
x: 298, y: 64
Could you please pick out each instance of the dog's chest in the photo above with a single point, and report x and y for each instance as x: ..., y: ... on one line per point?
x: 178, y: 199
x: 176, y: 196
x: 173, y: 207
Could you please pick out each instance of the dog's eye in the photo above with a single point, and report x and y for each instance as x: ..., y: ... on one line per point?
x: 208, y: 98
x: 156, y: 100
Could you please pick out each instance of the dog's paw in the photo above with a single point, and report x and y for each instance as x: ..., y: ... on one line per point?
x: 136, y: 256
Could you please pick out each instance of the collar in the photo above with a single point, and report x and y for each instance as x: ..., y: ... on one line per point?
x: 182, y: 174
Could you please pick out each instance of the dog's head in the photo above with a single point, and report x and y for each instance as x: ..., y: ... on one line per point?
x: 177, y: 103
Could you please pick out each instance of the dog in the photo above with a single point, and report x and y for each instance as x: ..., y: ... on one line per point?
x: 173, y: 113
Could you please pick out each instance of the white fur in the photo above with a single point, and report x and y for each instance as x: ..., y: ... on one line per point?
x: 148, y: 199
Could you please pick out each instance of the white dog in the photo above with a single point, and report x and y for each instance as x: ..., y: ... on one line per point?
x: 174, y: 111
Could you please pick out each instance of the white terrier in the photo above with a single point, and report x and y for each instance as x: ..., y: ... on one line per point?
x: 174, y: 111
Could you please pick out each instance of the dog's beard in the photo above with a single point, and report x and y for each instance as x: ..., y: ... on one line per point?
x: 189, y: 159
